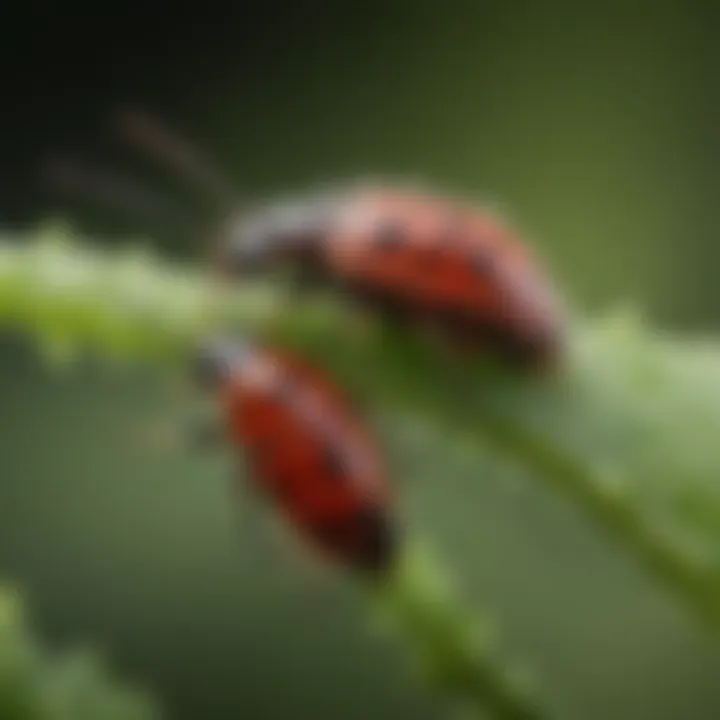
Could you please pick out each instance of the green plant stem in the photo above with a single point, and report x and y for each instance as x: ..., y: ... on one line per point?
x: 612, y: 511
x: 454, y: 652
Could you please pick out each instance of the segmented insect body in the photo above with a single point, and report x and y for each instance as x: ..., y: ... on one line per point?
x: 419, y: 258
x: 307, y: 450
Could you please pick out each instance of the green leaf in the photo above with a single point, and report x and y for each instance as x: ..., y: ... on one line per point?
x: 36, y: 684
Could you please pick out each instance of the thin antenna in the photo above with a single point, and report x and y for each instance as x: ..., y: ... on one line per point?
x: 86, y: 181
x: 149, y: 135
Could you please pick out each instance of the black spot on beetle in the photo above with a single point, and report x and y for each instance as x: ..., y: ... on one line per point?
x: 389, y: 236
x: 483, y: 262
x: 335, y: 463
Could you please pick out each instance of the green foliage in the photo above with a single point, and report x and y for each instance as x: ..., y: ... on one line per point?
x: 119, y: 306
x: 624, y: 429
x: 452, y: 650
x: 38, y: 685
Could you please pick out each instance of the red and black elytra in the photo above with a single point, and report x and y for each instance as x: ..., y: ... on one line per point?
x: 306, y: 450
x: 419, y: 257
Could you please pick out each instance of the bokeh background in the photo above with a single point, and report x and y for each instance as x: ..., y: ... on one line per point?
x: 593, y: 124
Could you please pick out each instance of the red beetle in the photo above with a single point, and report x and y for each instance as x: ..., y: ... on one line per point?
x: 416, y: 257
x: 306, y: 450
x: 420, y: 258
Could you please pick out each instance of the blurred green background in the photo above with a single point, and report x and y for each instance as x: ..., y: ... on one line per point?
x: 593, y: 124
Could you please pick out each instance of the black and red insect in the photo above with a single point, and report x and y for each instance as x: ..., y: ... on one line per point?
x: 420, y: 258
x: 307, y: 450
x: 416, y: 257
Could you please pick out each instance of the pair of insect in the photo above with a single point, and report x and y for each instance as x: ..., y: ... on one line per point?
x: 409, y: 255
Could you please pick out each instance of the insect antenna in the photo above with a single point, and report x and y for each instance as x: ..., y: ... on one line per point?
x: 85, y: 181
x: 153, y: 138
x: 145, y: 133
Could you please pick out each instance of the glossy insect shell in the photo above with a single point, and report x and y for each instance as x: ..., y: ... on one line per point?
x: 419, y: 258
x: 309, y: 453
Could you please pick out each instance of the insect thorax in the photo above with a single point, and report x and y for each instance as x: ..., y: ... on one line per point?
x: 282, y: 229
